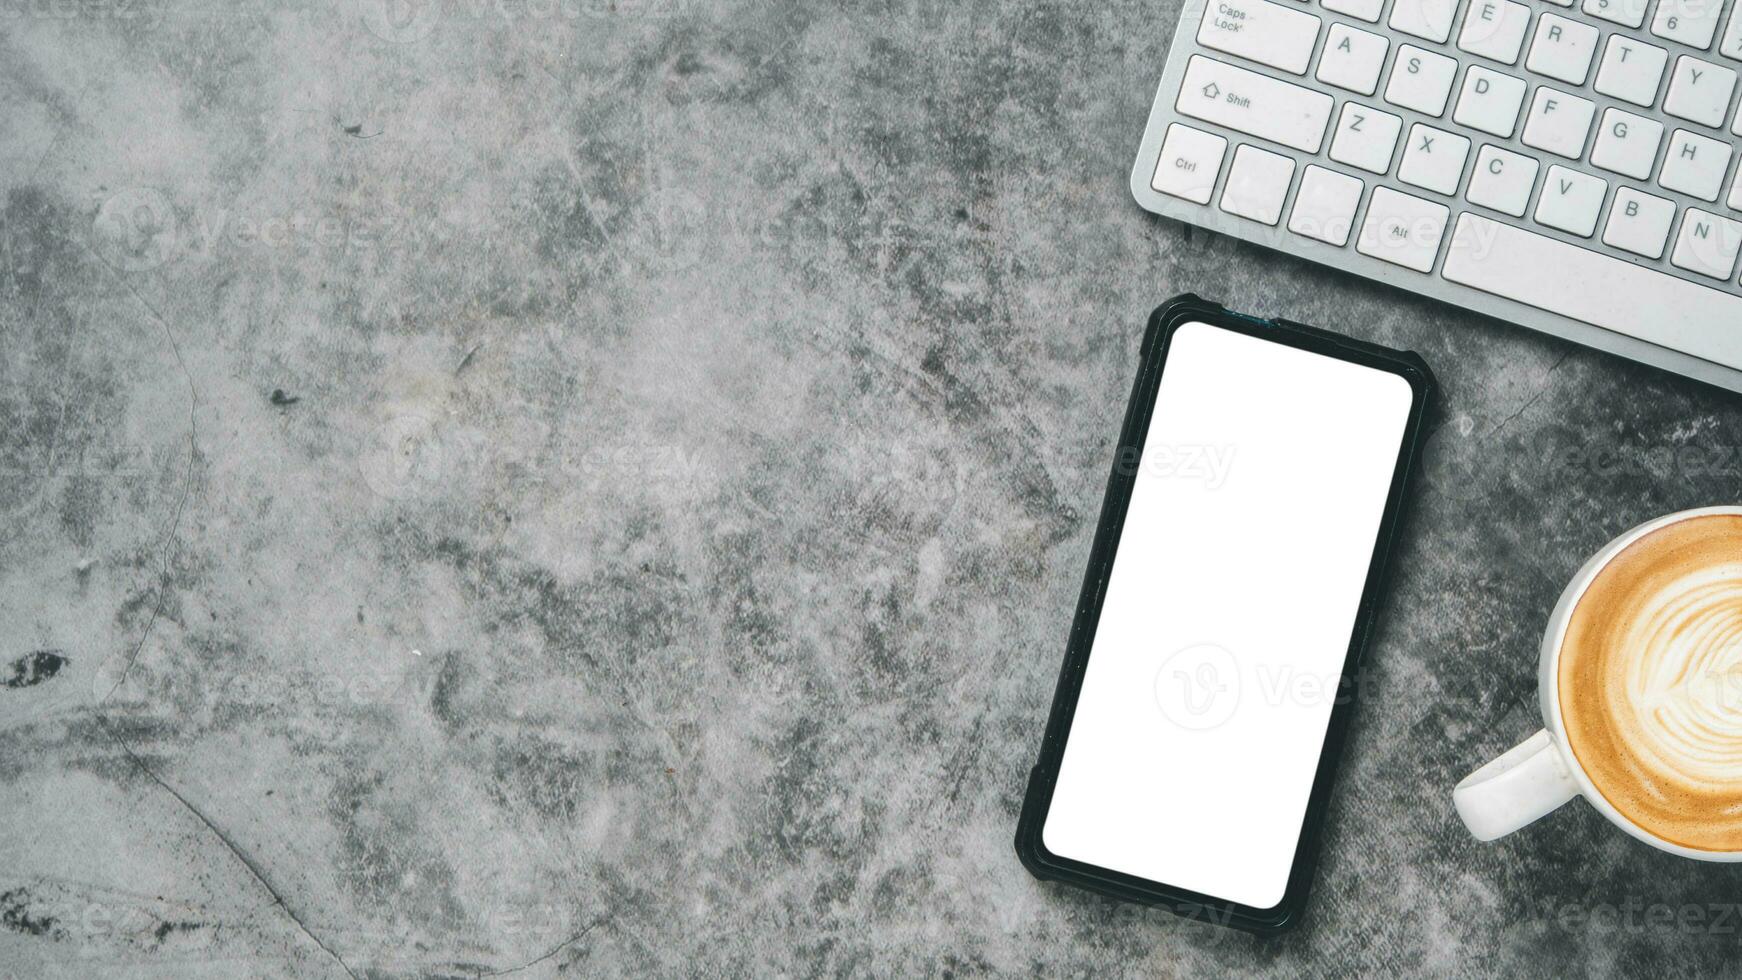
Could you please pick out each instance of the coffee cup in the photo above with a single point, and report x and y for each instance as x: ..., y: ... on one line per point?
x: 1646, y: 721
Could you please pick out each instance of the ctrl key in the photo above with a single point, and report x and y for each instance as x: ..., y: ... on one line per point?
x: 1190, y: 161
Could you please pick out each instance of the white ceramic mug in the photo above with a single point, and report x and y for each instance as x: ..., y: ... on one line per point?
x: 1542, y: 773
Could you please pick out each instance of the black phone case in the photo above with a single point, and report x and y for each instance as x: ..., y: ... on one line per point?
x: 1038, y: 799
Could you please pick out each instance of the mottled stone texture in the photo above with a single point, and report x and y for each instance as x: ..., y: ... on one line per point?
x: 598, y: 489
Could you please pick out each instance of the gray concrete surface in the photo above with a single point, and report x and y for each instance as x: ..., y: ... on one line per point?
x: 596, y: 489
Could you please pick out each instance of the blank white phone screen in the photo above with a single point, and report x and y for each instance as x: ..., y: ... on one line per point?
x: 1228, y: 616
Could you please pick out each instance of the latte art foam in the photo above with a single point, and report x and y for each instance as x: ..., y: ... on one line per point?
x: 1651, y: 682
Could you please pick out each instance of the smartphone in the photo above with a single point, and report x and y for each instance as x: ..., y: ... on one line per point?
x: 1234, y: 577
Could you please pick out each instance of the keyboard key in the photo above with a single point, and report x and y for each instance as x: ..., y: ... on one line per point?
x: 1699, y: 91
x: 1190, y: 160
x: 1639, y: 223
x: 1562, y: 49
x: 1558, y: 123
x: 1502, y: 180
x: 1324, y: 207
x: 1421, y: 80
x: 1433, y: 159
x: 1627, y: 144
x: 1630, y: 13
x: 1495, y: 29
x: 1593, y: 288
x: 1402, y: 230
x: 1365, y: 138
x: 1255, y: 104
x: 1707, y: 245
x: 1692, y: 22
x: 1735, y: 199
x: 1489, y: 101
x: 1367, y: 10
x: 1731, y: 46
x: 1631, y: 70
x: 1352, y: 59
x: 1265, y: 32
x: 1257, y: 183
x: 1695, y: 165
x: 1571, y: 201
x: 1431, y: 19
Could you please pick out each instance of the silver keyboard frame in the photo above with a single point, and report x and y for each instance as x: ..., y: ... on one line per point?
x: 1278, y: 237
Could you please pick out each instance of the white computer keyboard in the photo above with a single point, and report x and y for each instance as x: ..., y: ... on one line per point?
x: 1569, y: 168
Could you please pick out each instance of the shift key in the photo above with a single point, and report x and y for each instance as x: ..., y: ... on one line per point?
x: 1254, y: 104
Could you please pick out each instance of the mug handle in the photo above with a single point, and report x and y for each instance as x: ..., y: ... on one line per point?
x: 1515, y: 789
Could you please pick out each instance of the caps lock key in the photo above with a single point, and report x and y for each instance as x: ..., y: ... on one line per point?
x: 1262, y: 31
